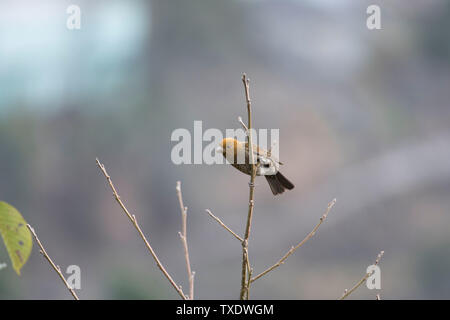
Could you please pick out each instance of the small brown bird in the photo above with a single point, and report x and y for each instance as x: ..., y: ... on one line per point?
x: 236, y: 151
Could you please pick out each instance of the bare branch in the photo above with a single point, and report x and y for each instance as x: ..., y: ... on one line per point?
x: 183, y: 238
x: 251, y: 202
x: 141, y: 234
x: 55, y: 267
x: 292, y: 250
x: 363, y: 279
x: 224, y: 225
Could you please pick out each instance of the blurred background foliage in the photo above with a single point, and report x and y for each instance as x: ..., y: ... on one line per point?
x: 363, y: 117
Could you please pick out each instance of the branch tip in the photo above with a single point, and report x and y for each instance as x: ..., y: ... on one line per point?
x: 364, y: 278
x: 224, y: 225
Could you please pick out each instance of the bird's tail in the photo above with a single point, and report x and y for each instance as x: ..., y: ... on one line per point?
x: 279, y: 183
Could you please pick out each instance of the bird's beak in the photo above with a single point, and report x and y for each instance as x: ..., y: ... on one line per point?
x: 219, y: 149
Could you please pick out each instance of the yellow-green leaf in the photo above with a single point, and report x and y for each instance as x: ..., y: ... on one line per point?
x: 16, y: 235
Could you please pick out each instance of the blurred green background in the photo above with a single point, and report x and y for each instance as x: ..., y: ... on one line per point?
x: 363, y: 116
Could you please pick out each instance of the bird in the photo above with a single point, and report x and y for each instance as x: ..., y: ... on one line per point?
x: 266, y: 165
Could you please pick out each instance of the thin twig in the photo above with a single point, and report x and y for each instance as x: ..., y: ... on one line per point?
x: 183, y: 238
x: 292, y: 250
x: 224, y: 225
x: 363, y: 279
x: 251, y: 203
x: 55, y: 267
x: 243, y: 125
x: 141, y: 234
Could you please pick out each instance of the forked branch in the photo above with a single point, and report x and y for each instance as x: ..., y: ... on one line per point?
x: 141, y: 234
x: 244, y: 126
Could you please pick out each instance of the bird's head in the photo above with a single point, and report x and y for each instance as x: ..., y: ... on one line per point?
x: 230, y: 147
x: 227, y: 145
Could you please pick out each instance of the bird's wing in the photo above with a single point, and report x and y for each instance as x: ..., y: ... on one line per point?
x: 260, y: 152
